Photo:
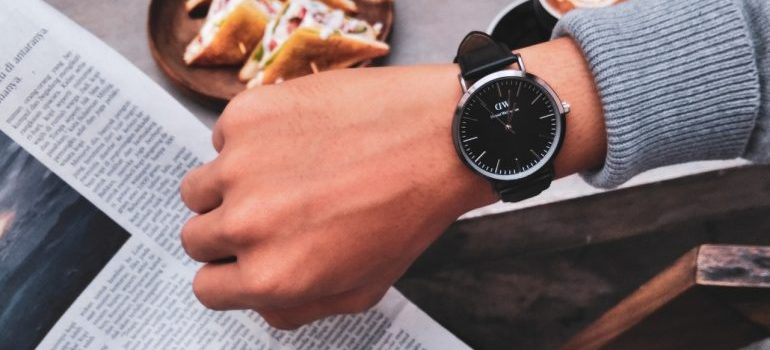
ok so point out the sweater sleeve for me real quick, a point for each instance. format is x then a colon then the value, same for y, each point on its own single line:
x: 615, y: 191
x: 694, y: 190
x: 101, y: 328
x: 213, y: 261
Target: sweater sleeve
x: 680, y: 81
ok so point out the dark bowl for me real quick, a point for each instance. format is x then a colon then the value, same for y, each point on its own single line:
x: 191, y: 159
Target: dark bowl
x: 518, y: 25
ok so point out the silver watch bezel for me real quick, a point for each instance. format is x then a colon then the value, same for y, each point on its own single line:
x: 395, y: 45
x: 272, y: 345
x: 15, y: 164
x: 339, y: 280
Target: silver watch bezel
x: 499, y: 75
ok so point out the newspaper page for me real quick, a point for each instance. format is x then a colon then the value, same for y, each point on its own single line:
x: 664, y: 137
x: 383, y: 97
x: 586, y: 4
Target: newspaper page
x: 91, y: 155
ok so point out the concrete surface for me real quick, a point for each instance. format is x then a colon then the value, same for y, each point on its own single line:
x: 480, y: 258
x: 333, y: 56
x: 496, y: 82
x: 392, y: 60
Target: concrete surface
x: 424, y: 33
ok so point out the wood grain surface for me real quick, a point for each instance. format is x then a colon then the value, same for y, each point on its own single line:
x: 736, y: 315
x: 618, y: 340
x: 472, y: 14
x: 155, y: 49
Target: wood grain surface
x: 534, y: 278
x: 713, y: 297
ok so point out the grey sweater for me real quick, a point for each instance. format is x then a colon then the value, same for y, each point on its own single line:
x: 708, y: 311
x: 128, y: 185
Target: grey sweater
x: 680, y: 81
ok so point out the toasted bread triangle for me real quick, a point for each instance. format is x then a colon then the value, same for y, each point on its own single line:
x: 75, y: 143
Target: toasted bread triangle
x: 238, y: 34
x: 306, y: 48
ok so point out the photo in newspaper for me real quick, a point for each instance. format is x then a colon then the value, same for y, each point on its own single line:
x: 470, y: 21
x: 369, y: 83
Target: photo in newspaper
x: 53, y: 242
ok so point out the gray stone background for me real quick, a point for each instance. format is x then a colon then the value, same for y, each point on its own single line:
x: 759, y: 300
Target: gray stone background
x: 425, y: 31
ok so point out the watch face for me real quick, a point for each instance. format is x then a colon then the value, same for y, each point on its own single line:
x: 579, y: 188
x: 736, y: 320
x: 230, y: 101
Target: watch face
x: 508, y: 127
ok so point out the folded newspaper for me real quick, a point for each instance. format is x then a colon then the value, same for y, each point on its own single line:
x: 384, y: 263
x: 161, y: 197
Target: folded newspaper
x: 91, y: 155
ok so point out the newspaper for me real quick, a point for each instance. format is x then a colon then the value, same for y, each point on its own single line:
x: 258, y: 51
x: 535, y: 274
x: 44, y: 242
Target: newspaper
x: 91, y: 155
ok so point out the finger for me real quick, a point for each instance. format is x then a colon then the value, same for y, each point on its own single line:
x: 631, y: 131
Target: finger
x: 351, y: 302
x: 218, y: 287
x: 203, y: 239
x: 200, y: 189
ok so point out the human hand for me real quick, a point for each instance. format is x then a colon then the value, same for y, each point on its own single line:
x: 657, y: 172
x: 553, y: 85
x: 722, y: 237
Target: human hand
x: 328, y: 187
x: 325, y: 190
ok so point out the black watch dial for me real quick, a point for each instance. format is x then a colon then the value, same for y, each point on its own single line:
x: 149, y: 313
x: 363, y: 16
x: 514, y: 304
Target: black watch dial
x: 507, y: 127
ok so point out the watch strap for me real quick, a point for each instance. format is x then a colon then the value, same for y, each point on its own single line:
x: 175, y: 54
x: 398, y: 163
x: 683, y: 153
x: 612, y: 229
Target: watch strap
x: 480, y: 55
x: 519, y: 190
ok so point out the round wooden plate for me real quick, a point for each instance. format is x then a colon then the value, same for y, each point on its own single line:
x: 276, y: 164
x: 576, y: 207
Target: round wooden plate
x: 170, y: 29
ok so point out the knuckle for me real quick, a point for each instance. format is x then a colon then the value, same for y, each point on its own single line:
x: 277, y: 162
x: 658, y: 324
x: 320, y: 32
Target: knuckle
x: 259, y: 224
x: 185, y: 188
x: 273, y: 288
x: 236, y: 227
x: 187, y: 242
x: 247, y: 221
x: 199, y: 290
x: 240, y: 101
x: 241, y: 108
x: 228, y: 169
x: 184, y: 236
x: 228, y: 120
x: 267, y: 287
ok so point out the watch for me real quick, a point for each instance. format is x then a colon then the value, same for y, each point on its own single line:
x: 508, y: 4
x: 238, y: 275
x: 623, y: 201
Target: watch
x: 509, y: 124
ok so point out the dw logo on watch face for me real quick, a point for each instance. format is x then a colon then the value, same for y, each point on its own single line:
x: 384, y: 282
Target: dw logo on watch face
x: 502, y: 105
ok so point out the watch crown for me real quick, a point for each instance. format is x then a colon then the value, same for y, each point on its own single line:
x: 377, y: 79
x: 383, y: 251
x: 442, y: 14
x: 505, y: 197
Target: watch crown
x: 566, y: 107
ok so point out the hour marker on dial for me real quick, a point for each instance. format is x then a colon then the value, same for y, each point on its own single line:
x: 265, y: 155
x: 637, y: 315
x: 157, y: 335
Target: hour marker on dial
x: 481, y: 155
x: 537, y: 98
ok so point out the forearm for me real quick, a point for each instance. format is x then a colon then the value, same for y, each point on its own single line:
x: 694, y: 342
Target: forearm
x: 561, y: 64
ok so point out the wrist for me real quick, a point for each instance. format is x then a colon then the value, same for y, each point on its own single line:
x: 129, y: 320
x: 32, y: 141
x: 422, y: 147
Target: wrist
x: 560, y: 63
x: 466, y: 190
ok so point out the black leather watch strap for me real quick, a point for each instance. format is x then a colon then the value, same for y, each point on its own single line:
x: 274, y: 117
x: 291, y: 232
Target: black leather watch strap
x: 519, y: 190
x: 479, y: 55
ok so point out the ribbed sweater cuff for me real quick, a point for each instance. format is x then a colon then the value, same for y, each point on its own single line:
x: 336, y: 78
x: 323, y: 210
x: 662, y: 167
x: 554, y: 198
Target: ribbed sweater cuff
x: 677, y: 80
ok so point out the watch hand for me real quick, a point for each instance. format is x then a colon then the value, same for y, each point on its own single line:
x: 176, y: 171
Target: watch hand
x: 492, y: 115
x: 511, y: 109
x: 487, y: 108
x: 507, y: 126
x: 498, y: 119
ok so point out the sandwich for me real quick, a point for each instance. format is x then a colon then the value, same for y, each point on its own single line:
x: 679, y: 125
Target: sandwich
x: 232, y: 29
x: 307, y: 36
x: 196, y: 8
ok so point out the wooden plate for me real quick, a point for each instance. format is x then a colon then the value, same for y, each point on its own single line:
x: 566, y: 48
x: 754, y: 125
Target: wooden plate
x: 170, y: 29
